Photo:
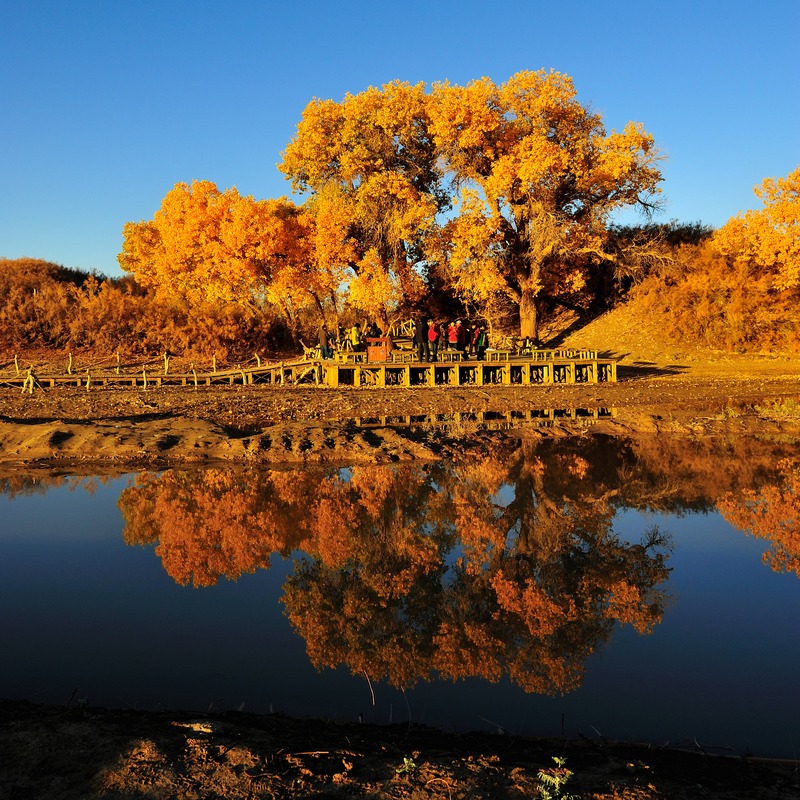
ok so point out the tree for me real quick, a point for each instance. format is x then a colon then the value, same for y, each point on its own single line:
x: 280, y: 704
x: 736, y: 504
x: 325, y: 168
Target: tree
x: 207, y: 245
x: 768, y: 241
x: 415, y: 572
x: 539, y: 177
x: 371, y: 168
x: 210, y: 523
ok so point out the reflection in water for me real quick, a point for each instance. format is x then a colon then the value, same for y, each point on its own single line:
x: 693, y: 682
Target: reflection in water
x: 497, y: 564
x: 17, y: 485
x: 218, y: 522
x: 488, y: 568
x: 488, y: 420
x: 772, y: 513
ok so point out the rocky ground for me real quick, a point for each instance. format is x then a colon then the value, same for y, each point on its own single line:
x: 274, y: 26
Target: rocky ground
x: 265, y: 424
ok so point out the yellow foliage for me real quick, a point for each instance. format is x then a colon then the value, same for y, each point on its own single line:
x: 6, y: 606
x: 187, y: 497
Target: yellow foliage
x: 211, y: 246
x: 543, y: 176
x: 373, y: 288
x: 370, y: 158
x: 768, y: 239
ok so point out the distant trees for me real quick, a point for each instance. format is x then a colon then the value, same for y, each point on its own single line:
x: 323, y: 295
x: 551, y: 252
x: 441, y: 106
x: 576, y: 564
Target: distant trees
x: 496, y: 196
x: 505, y: 191
x: 373, y: 171
x: 767, y: 242
x: 493, y: 191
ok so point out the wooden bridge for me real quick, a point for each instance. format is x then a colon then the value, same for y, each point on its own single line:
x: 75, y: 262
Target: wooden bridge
x: 399, y: 368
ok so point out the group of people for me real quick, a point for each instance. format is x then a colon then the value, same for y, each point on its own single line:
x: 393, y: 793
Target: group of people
x: 352, y: 338
x: 431, y: 337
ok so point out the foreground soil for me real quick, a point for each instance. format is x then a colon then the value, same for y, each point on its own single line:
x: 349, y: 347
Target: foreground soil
x: 58, y: 752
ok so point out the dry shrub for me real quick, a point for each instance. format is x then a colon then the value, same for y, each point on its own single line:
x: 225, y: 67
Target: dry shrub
x: 45, y: 305
x: 706, y: 298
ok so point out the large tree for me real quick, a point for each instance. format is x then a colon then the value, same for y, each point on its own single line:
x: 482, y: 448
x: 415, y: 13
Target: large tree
x: 370, y: 168
x: 208, y: 245
x: 539, y: 177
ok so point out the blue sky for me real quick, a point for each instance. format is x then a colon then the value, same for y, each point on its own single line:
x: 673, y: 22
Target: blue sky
x: 106, y: 105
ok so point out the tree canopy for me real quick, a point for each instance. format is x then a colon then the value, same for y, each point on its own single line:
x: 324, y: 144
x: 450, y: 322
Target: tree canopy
x: 538, y: 177
x: 531, y: 173
x: 498, y: 198
x: 371, y: 169
x: 207, y: 245
x: 768, y: 240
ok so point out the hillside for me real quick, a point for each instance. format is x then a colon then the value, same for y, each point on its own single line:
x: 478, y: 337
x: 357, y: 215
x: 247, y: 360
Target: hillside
x: 637, y: 339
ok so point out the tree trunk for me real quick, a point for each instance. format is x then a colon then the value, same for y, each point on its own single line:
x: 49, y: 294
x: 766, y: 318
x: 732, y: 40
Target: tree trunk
x: 528, y: 315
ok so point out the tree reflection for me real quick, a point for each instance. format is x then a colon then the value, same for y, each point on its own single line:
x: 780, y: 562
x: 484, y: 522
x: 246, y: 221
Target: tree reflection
x: 216, y: 522
x: 503, y: 565
x: 514, y: 574
x: 771, y: 513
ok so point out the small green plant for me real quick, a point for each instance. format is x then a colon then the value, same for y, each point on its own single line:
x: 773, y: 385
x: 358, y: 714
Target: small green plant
x: 408, y: 766
x: 553, y: 780
x: 785, y: 408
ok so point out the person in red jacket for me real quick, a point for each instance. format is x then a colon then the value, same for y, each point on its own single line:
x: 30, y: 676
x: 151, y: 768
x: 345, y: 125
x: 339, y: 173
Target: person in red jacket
x: 433, y: 339
x: 452, y: 335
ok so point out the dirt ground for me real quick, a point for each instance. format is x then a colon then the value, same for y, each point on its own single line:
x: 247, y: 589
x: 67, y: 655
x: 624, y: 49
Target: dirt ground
x: 69, y: 752
x: 60, y: 752
x: 128, y: 427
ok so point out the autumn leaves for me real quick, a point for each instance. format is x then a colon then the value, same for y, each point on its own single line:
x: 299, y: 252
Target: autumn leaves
x: 496, y: 193
x: 498, y: 197
x: 418, y: 570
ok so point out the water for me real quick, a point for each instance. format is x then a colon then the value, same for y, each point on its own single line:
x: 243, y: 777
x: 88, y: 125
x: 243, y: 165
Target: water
x: 519, y: 576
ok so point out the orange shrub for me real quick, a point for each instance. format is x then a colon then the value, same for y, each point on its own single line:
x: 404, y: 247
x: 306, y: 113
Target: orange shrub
x: 45, y: 305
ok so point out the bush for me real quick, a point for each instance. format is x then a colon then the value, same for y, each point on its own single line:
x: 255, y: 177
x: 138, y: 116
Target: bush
x: 705, y: 297
x: 45, y: 305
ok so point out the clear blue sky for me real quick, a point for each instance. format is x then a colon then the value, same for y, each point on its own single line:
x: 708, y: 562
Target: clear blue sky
x: 104, y: 106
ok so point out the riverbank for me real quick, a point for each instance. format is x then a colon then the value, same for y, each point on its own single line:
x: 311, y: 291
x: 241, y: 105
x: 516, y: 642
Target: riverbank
x: 68, y: 752
x: 129, y: 427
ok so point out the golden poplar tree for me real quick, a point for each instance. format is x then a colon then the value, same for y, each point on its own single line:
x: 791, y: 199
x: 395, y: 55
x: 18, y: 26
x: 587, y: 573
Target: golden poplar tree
x: 370, y: 167
x: 538, y: 176
x: 206, y: 245
x: 767, y: 241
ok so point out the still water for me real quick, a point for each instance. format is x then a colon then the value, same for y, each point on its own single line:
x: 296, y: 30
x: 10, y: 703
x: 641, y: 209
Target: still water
x: 640, y: 589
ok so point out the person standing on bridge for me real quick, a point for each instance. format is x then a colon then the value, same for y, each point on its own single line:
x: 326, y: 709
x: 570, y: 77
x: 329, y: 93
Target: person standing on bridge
x: 324, y: 341
x: 481, y: 342
x: 452, y: 335
x: 433, y: 339
x: 354, y: 337
x: 421, y: 339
